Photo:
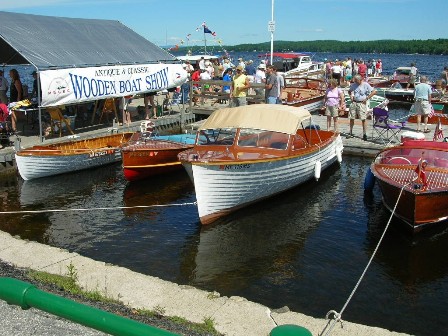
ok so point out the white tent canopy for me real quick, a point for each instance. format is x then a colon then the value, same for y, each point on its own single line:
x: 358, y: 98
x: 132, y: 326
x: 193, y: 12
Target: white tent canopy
x: 85, y: 59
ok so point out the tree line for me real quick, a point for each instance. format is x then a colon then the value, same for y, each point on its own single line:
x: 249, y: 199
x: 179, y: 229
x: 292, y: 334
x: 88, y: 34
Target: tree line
x: 430, y: 47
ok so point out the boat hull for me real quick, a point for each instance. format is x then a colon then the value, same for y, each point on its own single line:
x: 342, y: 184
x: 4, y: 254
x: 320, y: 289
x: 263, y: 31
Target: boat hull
x: 69, y: 156
x: 413, y: 178
x: 417, y: 209
x: 222, y: 188
x: 148, y: 156
x: 33, y: 167
x: 140, y: 164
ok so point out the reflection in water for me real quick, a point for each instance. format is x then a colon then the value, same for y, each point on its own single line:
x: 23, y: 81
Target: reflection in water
x: 259, y: 240
x: 304, y: 249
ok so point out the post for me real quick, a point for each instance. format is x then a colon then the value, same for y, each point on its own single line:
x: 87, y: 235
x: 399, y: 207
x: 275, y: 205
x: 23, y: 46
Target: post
x: 271, y: 28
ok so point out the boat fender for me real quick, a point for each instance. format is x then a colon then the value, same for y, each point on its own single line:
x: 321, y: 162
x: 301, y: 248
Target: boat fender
x: 317, y: 169
x: 339, y: 154
x: 369, y: 180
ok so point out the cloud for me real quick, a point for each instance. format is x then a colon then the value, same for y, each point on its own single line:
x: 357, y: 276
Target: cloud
x: 314, y: 30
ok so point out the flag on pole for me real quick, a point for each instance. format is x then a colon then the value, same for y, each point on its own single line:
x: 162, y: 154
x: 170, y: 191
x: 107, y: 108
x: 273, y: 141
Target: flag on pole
x: 438, y: 133
x: 208, y: 31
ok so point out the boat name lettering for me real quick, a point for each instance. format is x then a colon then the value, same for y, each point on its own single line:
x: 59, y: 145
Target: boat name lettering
x: 102, y: 153
x: 235, y: 167
x: 143, y: 153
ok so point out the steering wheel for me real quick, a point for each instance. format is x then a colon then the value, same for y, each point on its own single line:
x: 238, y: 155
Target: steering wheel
x: 399, y: 158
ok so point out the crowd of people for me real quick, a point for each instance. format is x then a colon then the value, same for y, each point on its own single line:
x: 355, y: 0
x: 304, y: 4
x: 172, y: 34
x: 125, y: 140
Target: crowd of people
x: 344, y: 70
x: 269, y: 84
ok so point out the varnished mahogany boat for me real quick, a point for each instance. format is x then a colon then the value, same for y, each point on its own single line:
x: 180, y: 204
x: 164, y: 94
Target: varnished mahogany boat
x: 249, y: 153
x: 147, y: 154
x: 420, y: 168
x: 69, y: 156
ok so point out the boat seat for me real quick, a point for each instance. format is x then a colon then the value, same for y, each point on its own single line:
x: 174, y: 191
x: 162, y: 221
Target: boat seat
x: 58, y: 121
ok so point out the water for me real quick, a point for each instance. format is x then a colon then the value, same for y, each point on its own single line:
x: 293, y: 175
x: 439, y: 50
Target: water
x: 304, y: 249
x: 429, y: 65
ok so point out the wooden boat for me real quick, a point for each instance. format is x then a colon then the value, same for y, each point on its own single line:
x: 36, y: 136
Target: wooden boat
x: 147, y: 154
x: 69, y: 156
x: 249, y: 153
x: 305, y: 92
x: 398, y: 95
x: 420, y: 168
x: 292, y: 64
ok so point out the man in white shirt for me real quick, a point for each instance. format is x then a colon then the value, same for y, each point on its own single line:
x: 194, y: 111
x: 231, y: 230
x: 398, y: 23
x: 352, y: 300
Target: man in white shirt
x: 260, y: 77
x: 3, y: 88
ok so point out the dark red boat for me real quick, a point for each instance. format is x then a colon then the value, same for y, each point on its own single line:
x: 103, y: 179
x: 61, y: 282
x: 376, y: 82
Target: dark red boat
x: 420, y: 168
x: 147, y: 155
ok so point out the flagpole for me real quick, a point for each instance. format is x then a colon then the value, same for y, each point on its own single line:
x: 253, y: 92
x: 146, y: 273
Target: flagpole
x: 272, y: 29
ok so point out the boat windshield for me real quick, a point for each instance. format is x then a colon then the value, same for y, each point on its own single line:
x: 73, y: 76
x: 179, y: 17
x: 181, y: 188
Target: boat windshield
x: 219, y: 136
x: 262, y: 139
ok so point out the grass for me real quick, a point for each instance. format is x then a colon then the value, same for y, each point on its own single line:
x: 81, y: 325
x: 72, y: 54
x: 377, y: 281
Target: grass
x: 69, y: 283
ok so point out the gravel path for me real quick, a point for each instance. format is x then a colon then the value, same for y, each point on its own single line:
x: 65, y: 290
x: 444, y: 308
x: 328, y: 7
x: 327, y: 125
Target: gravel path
x: 16, y: 321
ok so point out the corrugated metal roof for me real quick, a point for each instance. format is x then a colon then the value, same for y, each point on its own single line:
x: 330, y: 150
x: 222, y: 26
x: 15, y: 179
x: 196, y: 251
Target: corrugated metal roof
x: 57, y: 42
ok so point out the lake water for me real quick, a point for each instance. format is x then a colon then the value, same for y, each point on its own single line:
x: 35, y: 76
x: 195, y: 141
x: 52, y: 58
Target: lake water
x: 304, y: 249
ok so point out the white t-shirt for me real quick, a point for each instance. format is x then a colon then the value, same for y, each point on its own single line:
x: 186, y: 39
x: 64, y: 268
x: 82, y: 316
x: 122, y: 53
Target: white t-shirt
x: 260, y: 76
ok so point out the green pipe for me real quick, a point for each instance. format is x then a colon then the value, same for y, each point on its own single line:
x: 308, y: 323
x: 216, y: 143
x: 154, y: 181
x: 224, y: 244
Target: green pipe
x: 27, y: 295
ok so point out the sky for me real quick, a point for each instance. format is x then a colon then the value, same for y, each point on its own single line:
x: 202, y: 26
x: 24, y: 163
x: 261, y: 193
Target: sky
x: 168, y: 23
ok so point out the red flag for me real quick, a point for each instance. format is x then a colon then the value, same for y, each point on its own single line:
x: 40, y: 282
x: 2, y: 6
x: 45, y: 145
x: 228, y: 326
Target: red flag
x: 438, y: 133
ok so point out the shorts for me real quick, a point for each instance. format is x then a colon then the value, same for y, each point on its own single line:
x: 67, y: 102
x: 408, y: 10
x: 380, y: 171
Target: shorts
x: 422, y: 107
x: 239, y: 101
x: 357, y: 110
x: 332, y: 111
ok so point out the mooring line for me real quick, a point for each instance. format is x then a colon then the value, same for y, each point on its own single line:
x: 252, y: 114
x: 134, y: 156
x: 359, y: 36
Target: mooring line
x: 334, y: 316
x: 102, y: 208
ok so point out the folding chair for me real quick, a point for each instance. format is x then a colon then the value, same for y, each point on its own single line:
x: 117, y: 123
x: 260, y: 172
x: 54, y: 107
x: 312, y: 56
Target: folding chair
x: 386, y: 129
x: 108, y: 108
x: 57, y: 120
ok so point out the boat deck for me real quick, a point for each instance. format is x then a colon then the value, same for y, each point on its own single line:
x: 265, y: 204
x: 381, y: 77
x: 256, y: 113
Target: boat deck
x: 437, y: 178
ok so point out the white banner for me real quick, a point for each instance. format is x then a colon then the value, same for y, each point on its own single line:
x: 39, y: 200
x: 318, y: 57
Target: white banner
x: 68, y: 86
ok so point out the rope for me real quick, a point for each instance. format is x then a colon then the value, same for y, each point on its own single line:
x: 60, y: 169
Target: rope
x: 88, y: 209
x: 337, y: 317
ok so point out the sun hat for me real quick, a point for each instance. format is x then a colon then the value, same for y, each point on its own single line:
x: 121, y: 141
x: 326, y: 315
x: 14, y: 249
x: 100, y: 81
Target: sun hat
x: 262, y: 66
x: 239, y: 67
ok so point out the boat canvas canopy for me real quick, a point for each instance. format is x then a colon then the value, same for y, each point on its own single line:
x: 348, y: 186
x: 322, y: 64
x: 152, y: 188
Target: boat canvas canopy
x: 99, y: 58
x: 268, y: 117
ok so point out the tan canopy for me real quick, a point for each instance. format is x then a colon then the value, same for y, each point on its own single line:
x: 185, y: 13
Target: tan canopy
x: 269, y: 117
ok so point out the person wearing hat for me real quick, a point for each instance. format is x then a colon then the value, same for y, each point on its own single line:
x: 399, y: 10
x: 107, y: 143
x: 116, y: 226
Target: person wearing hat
x: 260, y: 78
x: 3, y: 89
x: 238, y: 91
x: 241, y: 63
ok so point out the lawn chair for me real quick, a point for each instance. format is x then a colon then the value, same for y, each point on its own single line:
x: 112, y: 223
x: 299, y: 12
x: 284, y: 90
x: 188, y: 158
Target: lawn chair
x: 109, y: 107
x: 58, y: 121
x: 386, y: 129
